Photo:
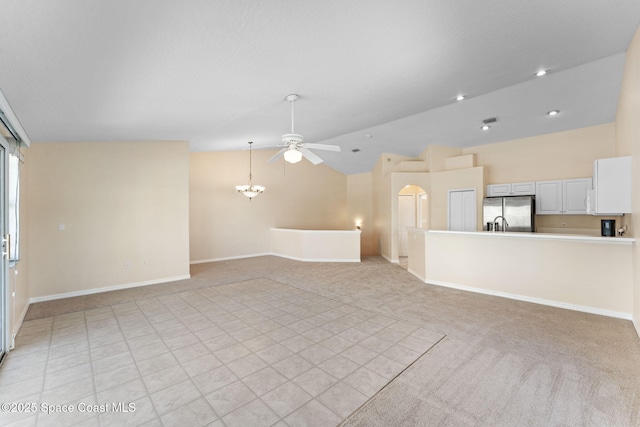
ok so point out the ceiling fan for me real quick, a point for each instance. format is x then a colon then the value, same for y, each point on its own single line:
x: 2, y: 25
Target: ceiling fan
x: 293, y: 146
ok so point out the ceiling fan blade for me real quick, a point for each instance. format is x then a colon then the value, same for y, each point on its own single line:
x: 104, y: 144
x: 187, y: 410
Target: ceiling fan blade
x: 323, y: 147
x: 277, y: 156
x: 310, y: 156
x: 266, y: 147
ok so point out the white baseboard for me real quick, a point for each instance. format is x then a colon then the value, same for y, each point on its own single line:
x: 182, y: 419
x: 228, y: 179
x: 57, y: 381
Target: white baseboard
x: 637, y: 326
x: 106, y: 289
x: 18, y: 325
x: 396, y: 261
x: 315, y: 259
x: 416, y: 274
x: 204, y: 261
x: 541, y: 301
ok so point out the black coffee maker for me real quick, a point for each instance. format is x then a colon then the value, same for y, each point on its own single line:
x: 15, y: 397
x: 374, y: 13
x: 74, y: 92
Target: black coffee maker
x: 608, y: 227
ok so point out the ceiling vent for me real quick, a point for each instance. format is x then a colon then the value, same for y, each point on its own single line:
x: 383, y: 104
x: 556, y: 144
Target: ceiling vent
x: 490, y: 120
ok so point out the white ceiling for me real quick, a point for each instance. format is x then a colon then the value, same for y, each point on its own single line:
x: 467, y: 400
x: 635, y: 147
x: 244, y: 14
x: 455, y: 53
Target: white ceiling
x: 216, y: 72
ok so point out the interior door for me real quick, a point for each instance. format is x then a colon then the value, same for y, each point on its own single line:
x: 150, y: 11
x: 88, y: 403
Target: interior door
x: 462, y: 210
x: 406, y: 218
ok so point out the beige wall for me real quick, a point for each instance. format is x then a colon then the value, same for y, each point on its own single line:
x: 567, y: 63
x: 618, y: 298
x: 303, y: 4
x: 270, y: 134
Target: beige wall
x: 225, y: 224
x: 559, y: 155
x: 119, y: 202
x: 628, y: 142
x: 360, y: 208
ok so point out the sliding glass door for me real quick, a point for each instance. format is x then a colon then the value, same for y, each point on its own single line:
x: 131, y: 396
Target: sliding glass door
x: 4, y: 260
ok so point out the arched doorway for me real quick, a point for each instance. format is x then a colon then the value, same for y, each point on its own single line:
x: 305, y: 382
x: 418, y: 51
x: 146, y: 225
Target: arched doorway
x: 413, y: 212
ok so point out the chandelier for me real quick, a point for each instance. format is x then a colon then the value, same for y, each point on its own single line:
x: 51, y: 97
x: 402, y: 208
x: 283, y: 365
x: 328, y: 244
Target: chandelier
x: 250, y: 190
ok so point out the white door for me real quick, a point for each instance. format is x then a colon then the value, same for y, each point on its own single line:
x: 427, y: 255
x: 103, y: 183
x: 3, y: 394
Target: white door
x: 462, y: 210
x: 406, y: 218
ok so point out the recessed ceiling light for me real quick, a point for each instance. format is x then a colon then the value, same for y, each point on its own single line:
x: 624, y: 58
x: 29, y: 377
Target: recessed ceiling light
x: 541, y: 73
x: 485, y: 127
x: 459, y: 97
x: 553, y: 112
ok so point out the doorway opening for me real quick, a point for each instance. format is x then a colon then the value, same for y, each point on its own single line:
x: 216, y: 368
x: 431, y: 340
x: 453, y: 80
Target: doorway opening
x: 413, y: 212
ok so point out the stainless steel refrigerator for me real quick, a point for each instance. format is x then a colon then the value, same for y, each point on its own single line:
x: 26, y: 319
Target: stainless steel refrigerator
x: 519, y: 212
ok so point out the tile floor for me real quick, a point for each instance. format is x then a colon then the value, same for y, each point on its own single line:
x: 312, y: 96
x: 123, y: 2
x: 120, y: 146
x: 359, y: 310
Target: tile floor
x: 254, y: 353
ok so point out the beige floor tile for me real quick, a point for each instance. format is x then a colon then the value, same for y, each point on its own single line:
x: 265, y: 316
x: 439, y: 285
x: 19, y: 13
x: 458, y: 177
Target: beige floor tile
x: 255, y: 413
x: 75, y: 359
x: 313, y: 414
x: 317, y: 334
x: 145, y: 340
x: 181, y: 341
x: 144, y: 413
x: 116, y: 377
x: 229, y: 398
x: 316, y: 354
x: 109, y: 350
x: 292, y: 366
x: 359, y: 354
x: 22, y: 373
x: 385, y: 367
x: 107, y: 341
x: 274, y: 354
x: 366, y: 381
x: 68, y: 418
x: 246, y: 365
x: 190, y: 352
x: 68, y: 375
x: 220, y: 342
x: 297, y: 343
x: 338, y: 366
x: 175, y: 396
x: 286, y: 398
x: 315, y: 381
x: 164, y: 379
x: 155, y: 364
x: 196, y: 413
x: 264, y: 380
x: 124, y: 393
x: 401, y: 355
x: 109, y: 363
x: 214, y: 379
x: 342, y: 399
x: 201, y: 364
x: 231, y: 353
x: 12, y: 392
x: 258, y: 343
x: 68, y: 392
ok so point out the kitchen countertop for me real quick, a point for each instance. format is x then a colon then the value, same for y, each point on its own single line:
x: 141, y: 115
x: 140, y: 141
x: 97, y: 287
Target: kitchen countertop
x: 540, y: 236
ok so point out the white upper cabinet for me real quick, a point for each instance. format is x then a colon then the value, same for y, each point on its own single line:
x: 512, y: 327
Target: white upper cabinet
x: 514, y: 189
x: 575, y: 196
x: 611, y: 186
x: 549, y: 197
x: 563, y: 197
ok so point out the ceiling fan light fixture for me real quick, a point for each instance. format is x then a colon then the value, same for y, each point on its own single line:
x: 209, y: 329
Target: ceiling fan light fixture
x: 292, y: 155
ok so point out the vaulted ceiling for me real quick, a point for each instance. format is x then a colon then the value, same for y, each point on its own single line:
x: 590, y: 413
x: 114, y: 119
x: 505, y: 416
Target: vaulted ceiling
x: 376, y: 75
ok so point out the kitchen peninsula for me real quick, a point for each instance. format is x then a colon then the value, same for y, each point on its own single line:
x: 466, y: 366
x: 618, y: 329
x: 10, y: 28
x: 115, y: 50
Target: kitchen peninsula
x: 584, y: 273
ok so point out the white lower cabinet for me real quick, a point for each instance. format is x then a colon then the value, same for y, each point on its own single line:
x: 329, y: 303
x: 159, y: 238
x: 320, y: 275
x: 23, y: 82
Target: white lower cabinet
x: 563, y: 197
